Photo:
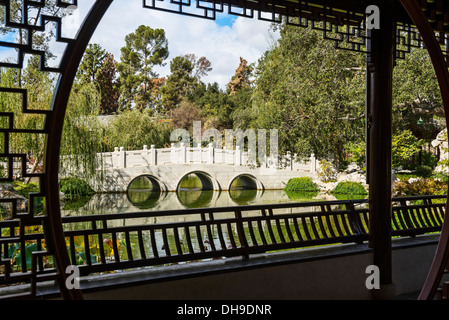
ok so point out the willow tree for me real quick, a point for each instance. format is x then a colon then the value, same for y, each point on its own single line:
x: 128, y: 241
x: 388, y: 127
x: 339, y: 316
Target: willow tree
x: 39, y: 87
x: 81, y: 142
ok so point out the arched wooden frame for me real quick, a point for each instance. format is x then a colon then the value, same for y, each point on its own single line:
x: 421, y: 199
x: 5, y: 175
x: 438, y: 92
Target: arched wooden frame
x: 442, y: 253
x: 55, y: 119
x: 70, y: 62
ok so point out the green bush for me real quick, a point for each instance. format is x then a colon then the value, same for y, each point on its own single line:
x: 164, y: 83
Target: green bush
x: 420, y: 186
x: 349, y: 187
x: 24, y: 189
x: 75, y: 187
x: 424, y: 171
x: 301, y: 184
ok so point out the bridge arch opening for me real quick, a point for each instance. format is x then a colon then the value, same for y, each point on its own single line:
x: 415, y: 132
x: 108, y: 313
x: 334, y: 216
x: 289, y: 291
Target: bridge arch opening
x: 245, y: 182
x: 244, y: 189
x: 144, y: 192
x: 197, y: 180
x: 196, y: 189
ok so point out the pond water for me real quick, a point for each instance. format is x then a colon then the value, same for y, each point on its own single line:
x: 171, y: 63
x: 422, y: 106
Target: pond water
x: 150, y: 200
x: 142, y: 197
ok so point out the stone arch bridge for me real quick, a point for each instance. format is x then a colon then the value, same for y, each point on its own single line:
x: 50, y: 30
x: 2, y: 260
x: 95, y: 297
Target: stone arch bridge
x: 216, y: 168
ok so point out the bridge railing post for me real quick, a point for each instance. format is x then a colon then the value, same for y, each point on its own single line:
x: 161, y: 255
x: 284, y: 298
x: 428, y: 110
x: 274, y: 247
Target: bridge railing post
x: 183, y: 150
x: 238, y: 156
x: 211, y: 151
x: 122, y: 158
x: 153, y: 155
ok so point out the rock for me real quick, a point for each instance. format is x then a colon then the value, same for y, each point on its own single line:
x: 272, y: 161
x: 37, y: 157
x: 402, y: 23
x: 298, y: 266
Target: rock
x: 21, y: 200
x: 6, y: 187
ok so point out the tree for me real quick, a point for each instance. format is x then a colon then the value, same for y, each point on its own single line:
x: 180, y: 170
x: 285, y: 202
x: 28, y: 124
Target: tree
x: 90, y: 65
x: 241, y: 78
x: 215, y: 104
x: 311, y: 93
x: 107, y: 84
x: 416, y: 95
x: 185, y: 114
x: 144, y: 49
x: 132, y: 129
x: 201, y: 66
x: 179, y: 83
x: 404, y: 145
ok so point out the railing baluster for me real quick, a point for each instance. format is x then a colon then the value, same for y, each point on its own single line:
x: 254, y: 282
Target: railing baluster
x: 177, y: 241
x: 87, y: 250
x: 289, y: 231
x: 252, y: 234
x: 305, y: 227
x: 166, y: 245
x: 221, y: 237
x: 298, y: 232
x: 141, y: 245
x: 188, y: 239
x: 200, y: 238
x: 209, y: 233
x: 240, y: 229
x: 72, y: 251
x: 335, y: 219
x: 231, y: 235
x: 322, y: 227
x: 115, y: 247
x: 313, y: 227
x: 270, y: 228
x: 261, y: 232
x: 128, y: 246
x: 153, y: 243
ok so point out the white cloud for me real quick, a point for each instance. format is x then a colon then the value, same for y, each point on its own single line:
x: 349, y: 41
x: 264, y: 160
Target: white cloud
x: 222, y: 45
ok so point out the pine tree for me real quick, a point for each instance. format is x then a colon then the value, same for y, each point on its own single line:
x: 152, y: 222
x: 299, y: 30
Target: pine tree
x: 144, y: 49
x: 179, y: 83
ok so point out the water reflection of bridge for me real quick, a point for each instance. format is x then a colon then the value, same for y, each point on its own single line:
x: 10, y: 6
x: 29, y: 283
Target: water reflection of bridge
x: 150, y: 201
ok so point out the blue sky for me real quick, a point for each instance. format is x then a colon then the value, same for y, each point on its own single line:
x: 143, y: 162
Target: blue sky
x: 222, y: 41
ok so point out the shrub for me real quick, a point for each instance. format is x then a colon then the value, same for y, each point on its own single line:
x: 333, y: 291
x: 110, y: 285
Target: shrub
x: 301, y: 184
x: 75, y: 187
x: 349, y: 187
x: 24, y: 189
x: 420, y: 186
x: 326, y: 171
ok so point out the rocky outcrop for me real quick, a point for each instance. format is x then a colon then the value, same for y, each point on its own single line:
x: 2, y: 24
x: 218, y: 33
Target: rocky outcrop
x: 7, y: 192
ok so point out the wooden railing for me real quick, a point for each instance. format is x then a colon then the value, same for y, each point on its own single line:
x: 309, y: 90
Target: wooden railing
x: 106, y: 242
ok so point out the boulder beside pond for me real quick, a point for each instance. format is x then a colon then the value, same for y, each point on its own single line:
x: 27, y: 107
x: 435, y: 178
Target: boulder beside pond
x: 7, y: 192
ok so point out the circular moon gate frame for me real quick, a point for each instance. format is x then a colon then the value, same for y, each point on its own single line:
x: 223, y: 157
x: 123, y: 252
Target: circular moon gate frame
x: 269, y: 10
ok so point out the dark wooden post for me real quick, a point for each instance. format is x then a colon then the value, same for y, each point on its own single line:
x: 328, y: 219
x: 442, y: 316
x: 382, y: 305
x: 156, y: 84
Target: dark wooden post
x: 379, y: 106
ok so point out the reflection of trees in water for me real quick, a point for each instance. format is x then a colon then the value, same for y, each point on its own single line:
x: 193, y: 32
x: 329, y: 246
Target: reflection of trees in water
x: 242, y: 196
x: 144, y: 198
x: 143, y: 193
x: 195, y: 198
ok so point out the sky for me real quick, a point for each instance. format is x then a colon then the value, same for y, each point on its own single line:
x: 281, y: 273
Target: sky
x: 222, y: 41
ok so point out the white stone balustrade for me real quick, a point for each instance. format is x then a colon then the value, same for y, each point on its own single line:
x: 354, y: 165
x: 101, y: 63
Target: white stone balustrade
x: 121, y: 158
